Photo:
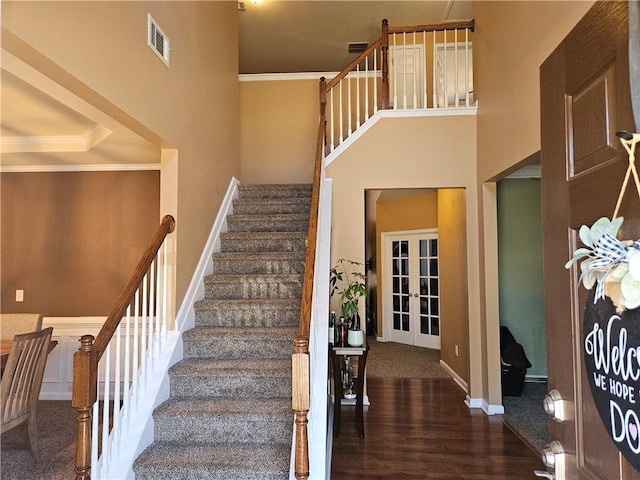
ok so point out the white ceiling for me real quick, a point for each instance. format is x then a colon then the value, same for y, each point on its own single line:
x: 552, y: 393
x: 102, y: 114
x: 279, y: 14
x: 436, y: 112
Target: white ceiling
x: 44, y: 127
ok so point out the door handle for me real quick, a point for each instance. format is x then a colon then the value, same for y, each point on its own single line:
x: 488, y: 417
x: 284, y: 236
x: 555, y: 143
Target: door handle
x: 543, y: 474
x: 553, y: 458
x: 556, y: 407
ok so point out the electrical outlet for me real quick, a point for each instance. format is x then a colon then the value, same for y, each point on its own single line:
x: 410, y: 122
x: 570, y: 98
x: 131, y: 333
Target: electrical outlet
x: 19, y: 295
x: 456, y: 350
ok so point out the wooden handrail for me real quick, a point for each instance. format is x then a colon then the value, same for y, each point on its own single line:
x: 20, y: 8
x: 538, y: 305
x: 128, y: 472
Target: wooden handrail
x: 438, y: 27
x: 85, y: 360
x: 334, y: 81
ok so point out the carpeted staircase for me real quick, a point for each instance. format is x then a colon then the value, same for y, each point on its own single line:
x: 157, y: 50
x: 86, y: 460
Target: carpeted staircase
x: 229, y: 413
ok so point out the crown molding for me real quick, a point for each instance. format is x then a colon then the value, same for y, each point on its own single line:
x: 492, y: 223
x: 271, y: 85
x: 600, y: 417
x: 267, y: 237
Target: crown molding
x: 55, y: 143
x: 78, y: 168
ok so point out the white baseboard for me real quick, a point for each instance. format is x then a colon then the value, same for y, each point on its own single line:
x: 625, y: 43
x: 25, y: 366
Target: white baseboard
x: 185, y: 318
x: 481, y: 403
x: 456, y: 378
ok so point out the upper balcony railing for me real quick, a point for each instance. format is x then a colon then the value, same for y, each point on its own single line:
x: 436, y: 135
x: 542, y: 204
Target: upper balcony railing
x: 407, y: 68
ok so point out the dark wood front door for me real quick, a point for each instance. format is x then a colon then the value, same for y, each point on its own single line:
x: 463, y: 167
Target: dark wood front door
x: 585, y: 100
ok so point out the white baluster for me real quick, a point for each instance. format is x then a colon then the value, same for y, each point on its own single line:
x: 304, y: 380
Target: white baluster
x: 366, y: 88
x: 95, y: 413
x: 415, y: 74
x: 424, y: 69
x: 358, y: 96
x: 135, y: 378
x: 126, y: 393
x: 152, y: 313
x: 395, y: 69
x: 158, y: 329
x: 115, y: 438
x: 165, y: 289
x: 455, y: 57
x: 332, y: 143
x: 143, y: 340
x: 375, y: 80
x: 466, y: 67
x: 341, y: 118
x: 349, y: 117
x: 435, y: 69
x: 105, y: 410
x: 404, y: 70
x: 444, y: 70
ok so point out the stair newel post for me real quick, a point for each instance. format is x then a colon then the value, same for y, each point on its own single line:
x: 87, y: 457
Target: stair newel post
x: 323, y: 107
x: 300, y: 404
x: 84, y: 395
x: 384, y: 49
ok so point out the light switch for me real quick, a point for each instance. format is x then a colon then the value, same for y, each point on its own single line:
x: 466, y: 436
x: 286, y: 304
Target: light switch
x: 19, y: 295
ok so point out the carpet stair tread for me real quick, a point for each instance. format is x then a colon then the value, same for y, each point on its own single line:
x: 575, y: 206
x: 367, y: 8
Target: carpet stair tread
x: 224, y: 420
x: 214, y: 462
x: 247, y: 286
x: 239, y: 343
x: 199, y: 367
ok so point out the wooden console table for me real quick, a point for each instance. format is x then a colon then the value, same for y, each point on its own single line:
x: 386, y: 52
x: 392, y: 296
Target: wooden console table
x: 337, y: 355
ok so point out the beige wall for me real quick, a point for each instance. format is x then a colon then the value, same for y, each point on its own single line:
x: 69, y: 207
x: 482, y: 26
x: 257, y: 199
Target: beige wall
x: 510, y: 42
x: 454, y: 307
x: 71, y: 240
x: 98, y: 50
x: 278, y: 129
x: 410, y: 153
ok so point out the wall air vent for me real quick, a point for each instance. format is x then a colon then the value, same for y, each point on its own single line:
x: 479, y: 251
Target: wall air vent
x: 357, y: 47
x: 158, y: 40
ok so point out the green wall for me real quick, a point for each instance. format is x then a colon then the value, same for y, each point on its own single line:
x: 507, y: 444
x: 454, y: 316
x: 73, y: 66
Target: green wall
x: 520, y: 267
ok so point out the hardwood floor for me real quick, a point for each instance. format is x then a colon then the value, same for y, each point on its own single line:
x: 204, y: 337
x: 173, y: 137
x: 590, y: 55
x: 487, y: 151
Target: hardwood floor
x: 421, y: 429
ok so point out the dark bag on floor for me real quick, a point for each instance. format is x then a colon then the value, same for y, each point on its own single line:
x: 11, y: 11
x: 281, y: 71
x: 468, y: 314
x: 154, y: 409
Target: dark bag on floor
x: 514, y: 364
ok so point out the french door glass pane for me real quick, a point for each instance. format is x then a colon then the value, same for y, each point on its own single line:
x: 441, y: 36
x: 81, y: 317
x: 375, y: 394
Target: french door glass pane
x: 405, y: 322
x: 433, y: 267
x: 429, y: 292
x: 424, y: 325
x: 433, y: 247
x: 435, y: 326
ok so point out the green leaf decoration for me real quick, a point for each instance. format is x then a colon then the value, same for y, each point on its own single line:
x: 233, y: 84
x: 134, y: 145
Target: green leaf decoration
x: 633, y: 257
x: 630, y: 291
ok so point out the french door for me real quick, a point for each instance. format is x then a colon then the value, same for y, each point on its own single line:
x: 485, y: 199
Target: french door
x: 412, y: 288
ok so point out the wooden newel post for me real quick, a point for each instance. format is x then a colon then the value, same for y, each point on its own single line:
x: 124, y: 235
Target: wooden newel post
x: 323, y: 99
x: 300, y: 404
x: 384, y: 49
x: 83, y: 397
x: 323, y: 108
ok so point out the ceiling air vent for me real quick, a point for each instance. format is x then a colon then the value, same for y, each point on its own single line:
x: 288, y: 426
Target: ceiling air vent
x: 357, y: 47
x: 158, y: 41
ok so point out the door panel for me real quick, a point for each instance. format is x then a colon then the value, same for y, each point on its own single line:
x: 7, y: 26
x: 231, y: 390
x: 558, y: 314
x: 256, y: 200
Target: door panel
x: 412, y: 301
x: 406, y: 76
x: 584, y: 101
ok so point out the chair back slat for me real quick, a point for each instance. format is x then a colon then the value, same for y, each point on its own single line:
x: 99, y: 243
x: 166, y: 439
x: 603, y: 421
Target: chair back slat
x: 22, y: 376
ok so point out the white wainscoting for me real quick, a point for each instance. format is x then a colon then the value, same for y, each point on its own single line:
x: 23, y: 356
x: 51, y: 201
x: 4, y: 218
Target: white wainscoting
x: 58, y: 374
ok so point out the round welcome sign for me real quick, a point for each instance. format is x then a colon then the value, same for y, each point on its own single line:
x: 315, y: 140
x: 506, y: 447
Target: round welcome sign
x: 611, y: 348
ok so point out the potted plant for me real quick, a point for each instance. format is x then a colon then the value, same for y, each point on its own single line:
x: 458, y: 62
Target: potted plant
x: 349, y: 282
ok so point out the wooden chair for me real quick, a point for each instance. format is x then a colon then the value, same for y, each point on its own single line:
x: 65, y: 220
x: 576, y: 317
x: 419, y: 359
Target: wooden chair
x: 12, y: 324
x: 21, y: 382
